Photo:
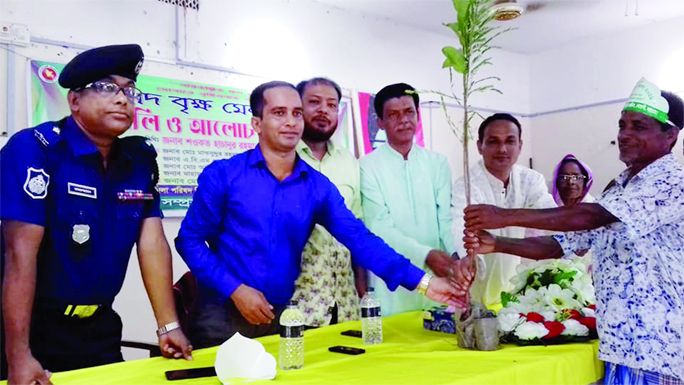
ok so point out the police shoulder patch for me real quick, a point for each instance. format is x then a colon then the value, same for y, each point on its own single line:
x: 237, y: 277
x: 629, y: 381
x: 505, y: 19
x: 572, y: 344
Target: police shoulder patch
x: 48, y: 133
x: 139, y: 144
x: 37, y: 182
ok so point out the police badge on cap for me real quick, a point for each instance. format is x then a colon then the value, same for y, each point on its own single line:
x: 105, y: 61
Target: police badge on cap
x: 97, y: 63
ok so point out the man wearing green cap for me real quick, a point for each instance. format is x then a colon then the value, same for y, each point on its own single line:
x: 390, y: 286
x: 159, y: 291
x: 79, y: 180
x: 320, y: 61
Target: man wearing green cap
x: 636, y: 232
x: 75, y: 198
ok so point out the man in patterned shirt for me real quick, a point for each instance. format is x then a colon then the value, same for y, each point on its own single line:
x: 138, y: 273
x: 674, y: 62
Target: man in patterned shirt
x: 636, y: 232
x: 325, y: 289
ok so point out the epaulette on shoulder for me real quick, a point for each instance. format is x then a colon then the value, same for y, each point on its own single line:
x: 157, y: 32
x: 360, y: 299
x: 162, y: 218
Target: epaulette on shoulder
x: 142, y: 148
x: 138, y: 144
x: 48, y: 133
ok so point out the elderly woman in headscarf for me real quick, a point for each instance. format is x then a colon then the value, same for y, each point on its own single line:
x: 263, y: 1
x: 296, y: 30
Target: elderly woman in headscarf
x: 571, y: 182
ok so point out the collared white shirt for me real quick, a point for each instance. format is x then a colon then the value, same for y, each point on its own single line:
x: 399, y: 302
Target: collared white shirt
x: 639, y: 269
x: 526, y: 190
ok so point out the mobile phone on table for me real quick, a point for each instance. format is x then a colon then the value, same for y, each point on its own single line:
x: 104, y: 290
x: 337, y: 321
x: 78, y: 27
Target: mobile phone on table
x: 346, y: 350
x: 183, y: 374
x: 352, y: 333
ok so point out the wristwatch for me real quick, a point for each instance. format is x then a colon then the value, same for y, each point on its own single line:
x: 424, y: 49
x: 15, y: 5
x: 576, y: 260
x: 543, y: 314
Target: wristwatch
x: 424, y: 283
x: 167, y: 328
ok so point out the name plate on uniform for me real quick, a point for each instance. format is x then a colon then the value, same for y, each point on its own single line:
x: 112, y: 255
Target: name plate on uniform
x: 82, y: 190
x: 134, y: 195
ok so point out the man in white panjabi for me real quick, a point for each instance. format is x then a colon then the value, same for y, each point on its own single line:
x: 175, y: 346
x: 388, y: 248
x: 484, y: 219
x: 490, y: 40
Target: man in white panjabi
x: 497, y: 180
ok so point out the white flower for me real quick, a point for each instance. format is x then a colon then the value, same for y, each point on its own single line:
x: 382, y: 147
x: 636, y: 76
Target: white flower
x: 516, y: 307
x: 508, y: 321
x: 549, y: 314
x: 542, y: 266
x: 569, y: 266
x: 523, y: 270
x: 509, y: 309
x: 534, y: 300
x: 526, y: 267
x: 518, y: 282
x: 588, y: 312
x: 530, y: 331
x: 561, y: 298
x: 584, y: 288
x: 566, y: 265
x: 574, y: 328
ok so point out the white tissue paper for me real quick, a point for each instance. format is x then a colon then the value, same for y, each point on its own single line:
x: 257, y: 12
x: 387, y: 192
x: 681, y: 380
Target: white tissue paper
x: 245, y: 359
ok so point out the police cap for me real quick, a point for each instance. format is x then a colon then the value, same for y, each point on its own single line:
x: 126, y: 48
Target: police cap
x: 97, y: 63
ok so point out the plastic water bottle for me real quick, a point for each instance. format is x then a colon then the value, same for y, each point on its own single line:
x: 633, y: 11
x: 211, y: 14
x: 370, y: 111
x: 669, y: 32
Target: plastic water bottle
x: 371, y: 320
x: 291, y: 338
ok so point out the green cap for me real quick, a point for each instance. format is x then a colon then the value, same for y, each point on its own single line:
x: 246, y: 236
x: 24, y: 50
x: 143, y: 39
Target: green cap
x: 646, y: 99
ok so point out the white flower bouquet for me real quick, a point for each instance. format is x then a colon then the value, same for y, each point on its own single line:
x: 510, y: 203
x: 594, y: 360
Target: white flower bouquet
x: 553, y: 302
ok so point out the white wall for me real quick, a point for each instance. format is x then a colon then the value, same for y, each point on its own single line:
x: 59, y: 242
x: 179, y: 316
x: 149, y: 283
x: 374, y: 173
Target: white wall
x: 607, y: 67
x: 592, y: 73
x: 289, y: 40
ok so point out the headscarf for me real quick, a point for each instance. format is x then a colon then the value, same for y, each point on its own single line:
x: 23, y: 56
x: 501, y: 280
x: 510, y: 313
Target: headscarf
x: 587, y: 186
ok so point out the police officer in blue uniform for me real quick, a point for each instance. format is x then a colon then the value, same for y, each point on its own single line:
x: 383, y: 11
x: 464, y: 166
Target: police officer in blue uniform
x: 75, y: 198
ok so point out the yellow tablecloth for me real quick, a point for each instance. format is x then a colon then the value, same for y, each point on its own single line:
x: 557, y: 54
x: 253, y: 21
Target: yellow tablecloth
x: 408, y: 355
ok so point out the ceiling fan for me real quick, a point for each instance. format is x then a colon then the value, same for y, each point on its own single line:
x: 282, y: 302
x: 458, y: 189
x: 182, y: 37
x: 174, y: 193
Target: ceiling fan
x: 511, y: 9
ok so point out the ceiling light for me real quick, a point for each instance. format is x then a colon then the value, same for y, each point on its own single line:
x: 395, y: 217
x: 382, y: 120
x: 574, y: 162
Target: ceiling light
x: 507, y: 10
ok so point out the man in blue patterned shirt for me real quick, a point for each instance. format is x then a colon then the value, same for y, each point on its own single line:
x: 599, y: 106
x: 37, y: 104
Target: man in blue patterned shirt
x: 636, y: 231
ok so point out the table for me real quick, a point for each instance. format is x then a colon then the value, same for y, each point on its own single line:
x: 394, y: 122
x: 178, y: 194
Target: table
x: 408, y: 355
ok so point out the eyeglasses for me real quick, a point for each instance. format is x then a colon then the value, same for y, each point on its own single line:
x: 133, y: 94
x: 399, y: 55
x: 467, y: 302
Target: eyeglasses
x: 572, y: 178
x: 110, y: 89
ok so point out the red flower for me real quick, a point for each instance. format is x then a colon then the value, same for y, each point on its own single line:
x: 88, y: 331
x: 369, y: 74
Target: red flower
x: 592, y: 306
x: 535, y: 317
x: 589, y: 322
x: 555, y: 328
x: 571, y: 314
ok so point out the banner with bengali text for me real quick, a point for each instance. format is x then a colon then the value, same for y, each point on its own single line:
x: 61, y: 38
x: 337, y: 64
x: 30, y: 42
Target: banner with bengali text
x: 190, y: 124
